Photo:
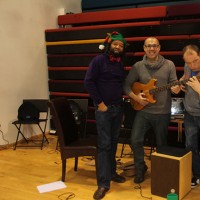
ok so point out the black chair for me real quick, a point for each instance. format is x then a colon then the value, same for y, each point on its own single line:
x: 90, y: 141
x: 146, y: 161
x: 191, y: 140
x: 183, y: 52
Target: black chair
x: 41, y: 106
x: 70, y: 143
x: 80, y: 110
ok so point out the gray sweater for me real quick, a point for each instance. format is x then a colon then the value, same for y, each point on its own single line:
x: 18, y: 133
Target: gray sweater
x: 192, y: 99
x: 164, y: 71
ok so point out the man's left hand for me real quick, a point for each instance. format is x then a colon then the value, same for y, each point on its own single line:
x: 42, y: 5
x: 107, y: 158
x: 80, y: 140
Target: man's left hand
x: 194, y: 84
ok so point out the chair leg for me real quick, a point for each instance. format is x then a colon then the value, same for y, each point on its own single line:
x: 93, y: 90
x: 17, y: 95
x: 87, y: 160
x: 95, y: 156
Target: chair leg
x: 151, y: 151
x: 43, y: 136
x: 76, y: 164
x: 16, y: 141
x: 63, y: 169
x: 57, y: 143
x: 19, y: 132
x: 122, y: 151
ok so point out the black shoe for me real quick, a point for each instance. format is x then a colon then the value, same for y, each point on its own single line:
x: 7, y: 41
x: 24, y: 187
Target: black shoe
x: 139, y: 177
x: 100, y: 193
x: 118, y: 179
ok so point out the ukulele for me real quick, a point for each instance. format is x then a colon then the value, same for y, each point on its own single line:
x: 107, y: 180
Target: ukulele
x: 150, y: 90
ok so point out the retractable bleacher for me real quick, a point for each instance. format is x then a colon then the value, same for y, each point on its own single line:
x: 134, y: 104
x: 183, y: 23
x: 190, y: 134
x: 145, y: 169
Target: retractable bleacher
x: 71, y: 47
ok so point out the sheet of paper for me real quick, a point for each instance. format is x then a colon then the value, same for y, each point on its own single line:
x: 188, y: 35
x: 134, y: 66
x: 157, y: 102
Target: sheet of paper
x: 51, y: 186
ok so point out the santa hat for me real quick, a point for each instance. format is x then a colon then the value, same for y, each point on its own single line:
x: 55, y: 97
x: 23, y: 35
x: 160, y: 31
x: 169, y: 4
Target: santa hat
x: 111, y: 37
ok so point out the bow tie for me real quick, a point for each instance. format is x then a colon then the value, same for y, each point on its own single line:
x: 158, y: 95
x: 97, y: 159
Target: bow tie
x: 114, y: 59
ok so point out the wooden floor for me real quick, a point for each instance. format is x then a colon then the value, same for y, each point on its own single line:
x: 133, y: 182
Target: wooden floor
x: 22, y: 170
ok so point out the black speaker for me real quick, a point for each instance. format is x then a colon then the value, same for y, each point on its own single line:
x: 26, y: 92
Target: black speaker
x: 28, y: 112
x: 129, y: 114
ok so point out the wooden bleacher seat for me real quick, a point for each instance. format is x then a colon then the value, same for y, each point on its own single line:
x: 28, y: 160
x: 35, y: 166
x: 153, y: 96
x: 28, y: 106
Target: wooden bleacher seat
x: 67, y: 86
x: 189, y: 9
x: 112, y: 16
x: 90, y: 5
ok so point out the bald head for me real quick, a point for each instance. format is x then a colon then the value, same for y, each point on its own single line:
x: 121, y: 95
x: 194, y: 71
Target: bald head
x: 191, y: 56
x: 190, y: 50
x: 151, y: 40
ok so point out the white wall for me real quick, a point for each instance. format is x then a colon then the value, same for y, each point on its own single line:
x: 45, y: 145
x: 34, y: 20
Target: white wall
x: 23, y: 60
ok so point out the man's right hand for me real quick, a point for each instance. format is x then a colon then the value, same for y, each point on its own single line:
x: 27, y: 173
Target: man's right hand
x: 141, y: 99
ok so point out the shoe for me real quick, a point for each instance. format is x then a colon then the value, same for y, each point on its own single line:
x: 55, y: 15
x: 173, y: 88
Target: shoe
x: 139, y: 177
x: 100, y: 193
x: 118, y: 179
x: 195, y: 182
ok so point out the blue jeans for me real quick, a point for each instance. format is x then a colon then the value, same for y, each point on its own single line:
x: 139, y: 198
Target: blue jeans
x: 108, y: 129
x: 192, y: 134
x: 142, y: 123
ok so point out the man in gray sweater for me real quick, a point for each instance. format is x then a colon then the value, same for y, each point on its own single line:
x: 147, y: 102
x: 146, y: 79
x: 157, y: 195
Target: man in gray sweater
x: 191, y: 56
x: 153, y: 111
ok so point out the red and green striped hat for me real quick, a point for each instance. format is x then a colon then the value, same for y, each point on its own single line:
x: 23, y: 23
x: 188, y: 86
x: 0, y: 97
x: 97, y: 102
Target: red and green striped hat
x: 111, y: 37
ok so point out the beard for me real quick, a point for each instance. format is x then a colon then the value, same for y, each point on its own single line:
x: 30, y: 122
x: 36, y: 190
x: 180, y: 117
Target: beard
x: 115, y: 53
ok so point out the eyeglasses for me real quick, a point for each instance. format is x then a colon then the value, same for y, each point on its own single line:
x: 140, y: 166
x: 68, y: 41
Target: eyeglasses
x: 154, y: 46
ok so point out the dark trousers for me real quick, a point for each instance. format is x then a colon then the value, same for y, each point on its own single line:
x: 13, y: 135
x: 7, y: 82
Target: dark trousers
x: 192, y: 134
x: 142, y: 123
x: 108, y: 128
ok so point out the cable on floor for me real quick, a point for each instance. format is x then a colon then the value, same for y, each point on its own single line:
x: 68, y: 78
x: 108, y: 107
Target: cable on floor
x: 140, y: 188
x: 69, y: 195
x: 87, y: 159
x: 2, y: 136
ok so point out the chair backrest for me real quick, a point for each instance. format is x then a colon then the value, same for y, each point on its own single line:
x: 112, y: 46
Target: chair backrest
x: 65, y: 124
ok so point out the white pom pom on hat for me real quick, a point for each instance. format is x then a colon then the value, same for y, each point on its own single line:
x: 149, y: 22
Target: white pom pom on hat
x: 101, y: 46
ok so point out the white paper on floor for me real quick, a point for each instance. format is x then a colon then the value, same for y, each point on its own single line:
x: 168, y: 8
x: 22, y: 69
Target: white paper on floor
x: 51, y: 186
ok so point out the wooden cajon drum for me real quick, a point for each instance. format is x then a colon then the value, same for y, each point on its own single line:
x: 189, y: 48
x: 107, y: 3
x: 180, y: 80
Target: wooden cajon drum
x: 170, y: 172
